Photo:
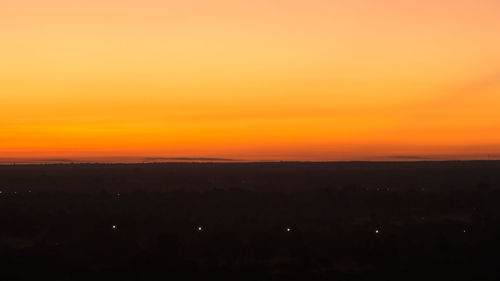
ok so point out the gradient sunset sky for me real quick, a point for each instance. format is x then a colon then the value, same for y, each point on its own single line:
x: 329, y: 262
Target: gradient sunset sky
x: 250, y: 80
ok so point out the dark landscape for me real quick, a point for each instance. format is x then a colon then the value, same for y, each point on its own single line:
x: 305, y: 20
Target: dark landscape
x: 251, y: 221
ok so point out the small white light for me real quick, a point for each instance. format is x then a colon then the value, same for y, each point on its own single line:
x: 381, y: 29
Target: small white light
x: 114, y: 226
x: 200, y: 228
x: 377, y: 231
x: 465, y: 231
x: 288, y: 229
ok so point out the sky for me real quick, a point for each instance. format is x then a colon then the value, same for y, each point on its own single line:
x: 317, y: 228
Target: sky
x: 311, y: 80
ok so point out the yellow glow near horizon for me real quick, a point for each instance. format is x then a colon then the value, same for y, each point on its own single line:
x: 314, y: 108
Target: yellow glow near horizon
x: 253, y: 80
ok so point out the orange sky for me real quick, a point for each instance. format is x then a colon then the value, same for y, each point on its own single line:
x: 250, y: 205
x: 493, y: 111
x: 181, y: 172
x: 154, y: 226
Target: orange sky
x: 253, y: 80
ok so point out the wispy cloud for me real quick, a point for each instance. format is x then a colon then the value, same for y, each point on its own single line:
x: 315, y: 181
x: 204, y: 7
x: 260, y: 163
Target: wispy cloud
x: 404, y: 157
x: 189, y: 159
x: 465, y: 92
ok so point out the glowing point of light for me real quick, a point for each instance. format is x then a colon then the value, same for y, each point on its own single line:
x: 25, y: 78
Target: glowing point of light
x: 200, y: 228
x: 377, y: 231
x: 288, y: 229
x: 114, y: 226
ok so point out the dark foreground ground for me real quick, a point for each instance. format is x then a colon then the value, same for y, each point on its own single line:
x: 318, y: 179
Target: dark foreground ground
x: 251, y: 221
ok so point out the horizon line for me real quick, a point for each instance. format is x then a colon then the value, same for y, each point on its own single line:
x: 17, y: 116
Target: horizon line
x: 39, y: 163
